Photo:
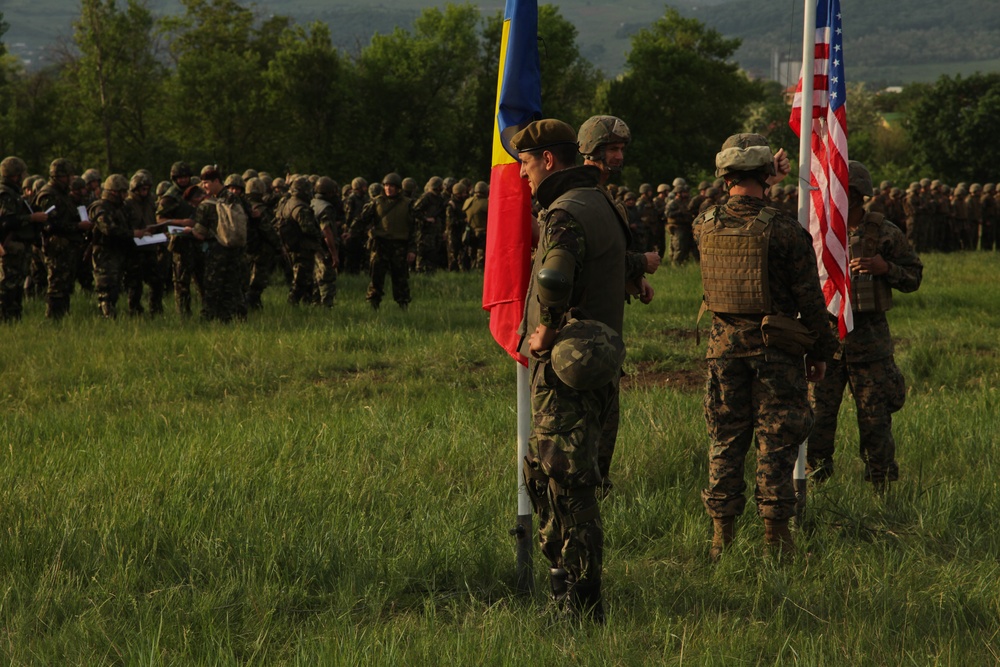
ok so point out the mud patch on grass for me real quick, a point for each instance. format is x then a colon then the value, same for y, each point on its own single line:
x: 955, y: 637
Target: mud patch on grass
x: 647, y: 374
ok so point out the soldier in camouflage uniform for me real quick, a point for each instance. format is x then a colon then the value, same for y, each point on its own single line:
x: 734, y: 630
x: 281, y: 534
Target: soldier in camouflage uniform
x: 80, y: 196
x: 881, y: 260
x: 187, y: 259
x: 392, y: 239
x: 761, y: 283
x: 263, y: 244
x: 475, y: 209
x: 144, y: 265
x: 974, y: 206
x: 456, y: 226
x: 679, y: 221
x: 114, y: 244
x: 637, y: 226
x: 62, y: 238
x: 354, y: 238
x: 329, y: 213
x: 430, y: 212
x: 990, y: 213
x: 579, y: 264
x: 302, y: 241
x: 18, y: 229
x: 92, y: 178
x: 225, y: 265
x: 918, y: 218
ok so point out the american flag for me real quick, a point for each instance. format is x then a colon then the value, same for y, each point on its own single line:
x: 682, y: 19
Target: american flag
x: 828, y: 181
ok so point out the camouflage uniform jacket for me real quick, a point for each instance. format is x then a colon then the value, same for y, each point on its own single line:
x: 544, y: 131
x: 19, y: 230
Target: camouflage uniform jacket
x: 206, y: 217
x: 593, y: 266
x: 793, y: 280
x: 65, y: 219
x: 112, y: 224
x: 870, y: 340
x: 15, y: 216
x: 173, y: 206
x: 143, y: 211
x: 678, y: 214
x: 430, y: 208
x: 391, y: 219
x: 354, y: 205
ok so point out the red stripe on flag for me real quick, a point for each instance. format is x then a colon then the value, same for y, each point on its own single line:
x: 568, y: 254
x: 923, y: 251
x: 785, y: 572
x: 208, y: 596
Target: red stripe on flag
x: 508, y: 255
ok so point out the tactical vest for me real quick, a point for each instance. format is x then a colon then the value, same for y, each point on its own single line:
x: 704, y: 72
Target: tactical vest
x: 394, y: 218
x: 734, y: 264
x: 600, y: 291
x: 869, y: 294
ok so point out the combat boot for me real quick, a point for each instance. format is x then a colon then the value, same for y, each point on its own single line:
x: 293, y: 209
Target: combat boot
x: 724, y: 530
x: 778, y: 538
x: 559, y: 583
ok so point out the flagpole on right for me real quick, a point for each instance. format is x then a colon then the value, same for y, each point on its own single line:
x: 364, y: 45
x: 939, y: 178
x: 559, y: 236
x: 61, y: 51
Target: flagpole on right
x: 805, y: 197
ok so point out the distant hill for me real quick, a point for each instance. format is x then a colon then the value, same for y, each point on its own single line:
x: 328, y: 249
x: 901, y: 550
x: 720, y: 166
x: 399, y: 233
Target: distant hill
x: 886, y: 41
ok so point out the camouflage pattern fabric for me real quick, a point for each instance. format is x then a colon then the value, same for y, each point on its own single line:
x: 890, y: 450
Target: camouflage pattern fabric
x: 109, y: 268
x: 263, y: 250
x: 456, y: 226
x: 225, y: 267
x: 13, y: 270
x: 188, y: 261
x: 430, y: 212
x: 389, y: 256
x: 354, y: 244
x: 61, y: 243
x: 679, y: 220
x: 879, y: 390
x: 754, y: 396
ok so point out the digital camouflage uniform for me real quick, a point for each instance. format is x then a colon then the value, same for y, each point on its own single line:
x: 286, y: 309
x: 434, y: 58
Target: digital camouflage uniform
x: 392, y: 237
x: 456, y: 226
x: 562, y: 468
x: 225, y: 267
x: 301, y: 239
x: 758, y: 393
x: 918, y: 219
x: 16, y: 235
x: 864, y: 362
x: 62, y: 243
x: 679, y: 221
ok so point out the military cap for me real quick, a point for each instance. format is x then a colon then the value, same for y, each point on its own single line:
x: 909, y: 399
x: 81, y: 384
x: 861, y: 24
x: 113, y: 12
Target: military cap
x: 859, y: 178
x: 542, y: 134
x: 91, y: 175
x: 12, y: 166
x: 587, y: 354
x: 598, y: 131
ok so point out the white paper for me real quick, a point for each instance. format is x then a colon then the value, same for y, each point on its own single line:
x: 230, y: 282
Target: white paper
x: 152, y: 239
x: 83, y: 213
x: 175, y: 229
x: 50, y: 209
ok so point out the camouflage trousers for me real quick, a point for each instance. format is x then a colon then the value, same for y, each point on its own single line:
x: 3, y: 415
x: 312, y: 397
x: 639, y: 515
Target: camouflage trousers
x: 188, y: 266
x: 476, y: 250
x: 389, y: 257
x: 562, y: 472
x: 682, y: 245
x: 144, y: 267
x: 751, y: 394
x: 457, y: 259
x: 109, y: 269
x: 879, y: 390
x: 225, y: 271
x: 429, y: 247
x: 353, y: 254
x: 13, y: 270
x: 325, y: 277
x: 262, y: 262
x: 609, y: 437
x: 61, y: 258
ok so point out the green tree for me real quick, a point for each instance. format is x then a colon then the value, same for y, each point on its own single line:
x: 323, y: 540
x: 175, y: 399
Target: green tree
x: 112, y: 86
x: 953, y: 128
x: 680, y: 95
x: 219, y: 104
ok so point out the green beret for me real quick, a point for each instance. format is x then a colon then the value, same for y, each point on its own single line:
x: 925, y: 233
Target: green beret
x: 541, y: 134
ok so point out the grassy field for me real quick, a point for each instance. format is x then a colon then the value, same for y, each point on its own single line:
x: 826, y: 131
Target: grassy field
x: 336, y: 487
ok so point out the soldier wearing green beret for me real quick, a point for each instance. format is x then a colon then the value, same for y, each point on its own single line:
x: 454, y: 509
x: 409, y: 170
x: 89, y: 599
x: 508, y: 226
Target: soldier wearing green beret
x: 578, y: 274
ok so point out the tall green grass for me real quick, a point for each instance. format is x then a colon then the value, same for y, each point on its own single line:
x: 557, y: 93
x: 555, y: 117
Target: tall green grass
x: 336, y: 487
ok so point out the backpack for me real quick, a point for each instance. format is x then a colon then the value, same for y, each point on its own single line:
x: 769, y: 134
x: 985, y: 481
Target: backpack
x: 232, y: 228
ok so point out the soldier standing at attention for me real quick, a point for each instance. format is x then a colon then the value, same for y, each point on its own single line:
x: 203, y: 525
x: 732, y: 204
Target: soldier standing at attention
x: 578, y: 271
x: 679, y: 221
x: 17, y: 233
x: 881, y: 260
x: 392, y: 235
x: 62, y: 238
x: 761, y: 283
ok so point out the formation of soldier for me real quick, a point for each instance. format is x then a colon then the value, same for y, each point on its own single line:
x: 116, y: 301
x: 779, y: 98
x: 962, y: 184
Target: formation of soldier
x: 224, y: 236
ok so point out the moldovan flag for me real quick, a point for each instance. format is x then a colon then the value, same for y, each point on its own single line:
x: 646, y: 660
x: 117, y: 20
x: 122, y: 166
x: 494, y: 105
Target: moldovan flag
x: 828, y: 167
x: 508, y: 229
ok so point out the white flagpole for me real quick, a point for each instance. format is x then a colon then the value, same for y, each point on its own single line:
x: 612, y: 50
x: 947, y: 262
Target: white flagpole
x: 523, y: 531
x: 805, y: 194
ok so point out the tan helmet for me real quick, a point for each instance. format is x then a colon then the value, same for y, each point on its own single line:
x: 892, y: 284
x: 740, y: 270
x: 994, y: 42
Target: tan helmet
x: 409, y: 184
x: 434, y: 184
x: 598, y: 131
x: 139, y: 180
x: 235, y: 181
x: 392, y: 178
x: 300, y: 187
x: 60, y: 167
x: 249, y: 173
x: 481, y: 188
x: 12, y: 167
x: 115, y: 183
x: 459, y: 189
x: 256, y: 187
x: 358, y: 183
x: 327, y: 187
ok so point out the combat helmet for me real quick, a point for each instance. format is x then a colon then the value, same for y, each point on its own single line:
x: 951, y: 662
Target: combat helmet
x: 235, y: 181
x: 482, y: 188
x: 375, y: 190
x: 180, y: 170
x: 327, y: 187
x: 459, y: 189
x: 644, y: 188
x: 745, y: 153
x: 680, y: 183
x: 250, y: 173
x: 434, y: 184
x: 393, y: 178
x: 60, y: 167
x: 975, y: 189
x: 989, y: 188
x: 300, y: 187
x: 162, y: 187
x: 115, y: 183
x: 91, y: 176
x: 256, y: 187
x: 859, y: 178
x: 409, y: 184
x: 139, y: 180
x: 662, y: 187
x: 12, y: 166
x: 587, y: 354
x: 358, y: 183
x: 598, y: 131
